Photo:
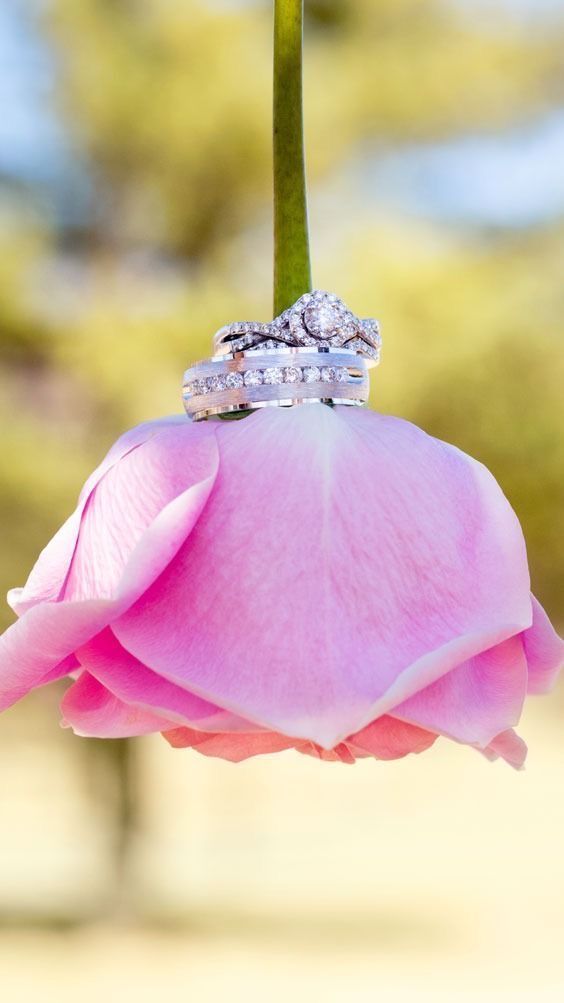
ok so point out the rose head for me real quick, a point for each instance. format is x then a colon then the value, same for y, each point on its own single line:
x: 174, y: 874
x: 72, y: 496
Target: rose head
x: 325, y: 579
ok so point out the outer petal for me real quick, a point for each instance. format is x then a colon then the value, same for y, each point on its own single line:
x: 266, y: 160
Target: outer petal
x: 389, y: 738
x: 340, y: 754
x: 544, y: 650
x: 507, y: 746
x: 345, y: 560
x: 234, y: 748
x: 135, y: 520
x: 93, y: 712
x: 476, y: 700
x: 133, y: 683
x: 48, y: 576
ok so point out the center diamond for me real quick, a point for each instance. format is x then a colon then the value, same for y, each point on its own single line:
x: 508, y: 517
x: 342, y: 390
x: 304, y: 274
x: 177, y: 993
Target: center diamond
x: 321, y: 319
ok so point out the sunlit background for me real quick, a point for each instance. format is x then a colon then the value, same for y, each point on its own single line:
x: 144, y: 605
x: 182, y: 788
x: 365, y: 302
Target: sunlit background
x: 135, y: 219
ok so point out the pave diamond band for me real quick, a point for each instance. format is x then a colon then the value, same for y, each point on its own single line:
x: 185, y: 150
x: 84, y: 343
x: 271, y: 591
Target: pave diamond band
x: 316, y: 319
x: 247, y: 380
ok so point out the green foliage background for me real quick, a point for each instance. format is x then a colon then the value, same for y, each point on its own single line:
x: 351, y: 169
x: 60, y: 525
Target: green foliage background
x: 168, y: 108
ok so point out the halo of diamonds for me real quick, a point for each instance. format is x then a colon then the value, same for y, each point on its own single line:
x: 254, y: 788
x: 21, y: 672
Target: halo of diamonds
x: 318, y: 319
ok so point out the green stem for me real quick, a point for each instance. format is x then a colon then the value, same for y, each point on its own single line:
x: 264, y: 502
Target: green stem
x: 292, y: 270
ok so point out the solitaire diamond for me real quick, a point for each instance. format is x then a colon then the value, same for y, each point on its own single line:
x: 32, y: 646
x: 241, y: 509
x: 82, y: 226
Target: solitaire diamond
x: 321, y: 320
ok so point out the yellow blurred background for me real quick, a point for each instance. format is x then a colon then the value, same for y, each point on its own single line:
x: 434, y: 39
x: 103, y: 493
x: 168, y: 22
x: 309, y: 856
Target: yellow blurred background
x: 135, y: 220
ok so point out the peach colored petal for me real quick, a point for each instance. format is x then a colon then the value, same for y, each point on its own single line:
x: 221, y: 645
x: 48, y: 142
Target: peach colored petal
x: 233, y: 747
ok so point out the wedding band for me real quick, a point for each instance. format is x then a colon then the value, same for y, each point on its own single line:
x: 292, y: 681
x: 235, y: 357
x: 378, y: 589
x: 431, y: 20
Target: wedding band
x: 248, y: 380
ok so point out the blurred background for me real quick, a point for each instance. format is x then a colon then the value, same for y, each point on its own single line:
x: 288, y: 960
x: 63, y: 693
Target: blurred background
x: 135, y: 219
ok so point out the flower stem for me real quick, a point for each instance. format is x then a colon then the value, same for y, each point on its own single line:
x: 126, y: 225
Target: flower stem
x: 292, y: 270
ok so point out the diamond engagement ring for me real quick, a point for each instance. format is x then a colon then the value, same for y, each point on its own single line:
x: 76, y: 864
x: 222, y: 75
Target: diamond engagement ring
x: 317, y: 319
x: 315, y: 352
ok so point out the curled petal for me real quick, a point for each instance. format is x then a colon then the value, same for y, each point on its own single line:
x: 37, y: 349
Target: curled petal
x: 345, y: 560
x: 507, y: 746
x: 475, y: 701
x: 133, y: 683
x: 124, y: 544
x: 93, y: 712
x: 48, y: 575
x: 544, y: 650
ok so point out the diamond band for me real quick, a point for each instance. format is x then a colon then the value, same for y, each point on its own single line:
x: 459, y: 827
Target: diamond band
x: 248, y: 380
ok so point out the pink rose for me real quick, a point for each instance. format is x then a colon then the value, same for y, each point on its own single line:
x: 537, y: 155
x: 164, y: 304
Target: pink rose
x: 330, y: 580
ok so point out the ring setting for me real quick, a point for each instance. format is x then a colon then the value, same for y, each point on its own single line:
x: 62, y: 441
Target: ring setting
x: 316, y: 351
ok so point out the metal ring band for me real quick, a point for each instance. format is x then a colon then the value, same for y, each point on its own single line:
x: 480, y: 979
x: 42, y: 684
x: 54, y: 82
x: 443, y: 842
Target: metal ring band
x: 275, y: 377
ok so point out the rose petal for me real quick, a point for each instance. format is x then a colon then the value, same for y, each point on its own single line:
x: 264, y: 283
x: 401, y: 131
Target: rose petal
x: 49, y: 573
x: 129, y: 498
x: 340, y: 754
x: 344, y: 561
x: 476, y: 700
x: 507, y: 746
x: 133, y: 683
x: 389, y: 738
x: 93, y: 712
x: 544, y: 650
x: 233, y: 747
x: 185, y: 458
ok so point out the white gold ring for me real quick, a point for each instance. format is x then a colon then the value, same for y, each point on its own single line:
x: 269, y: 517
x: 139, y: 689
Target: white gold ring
x: 317, y: 351
x: 317, y: 319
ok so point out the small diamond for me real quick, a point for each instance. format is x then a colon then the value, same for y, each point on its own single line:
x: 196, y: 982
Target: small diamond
x: 215, y: 383
x: 273, y: 375
x: 329, y: 374
x: 342, y: 375
x: 292, y: 374
x: 233, y: 381
x: 311, y: 374
x: 253, y: 378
